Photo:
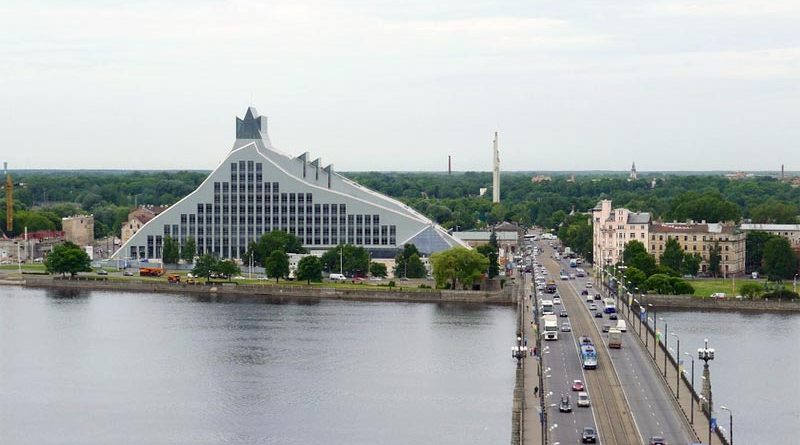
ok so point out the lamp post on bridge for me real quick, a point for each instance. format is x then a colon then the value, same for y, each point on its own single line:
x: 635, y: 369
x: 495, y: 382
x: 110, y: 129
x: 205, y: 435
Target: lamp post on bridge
x: 677, y: 368
x: 730, y: 414
x: 706, y: 354
x: 665, y: 337
x: 692, y: 394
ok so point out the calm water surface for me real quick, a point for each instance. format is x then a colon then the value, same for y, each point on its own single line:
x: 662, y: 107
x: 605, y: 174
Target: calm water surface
x: 101, y: 368
x: 755, y: 373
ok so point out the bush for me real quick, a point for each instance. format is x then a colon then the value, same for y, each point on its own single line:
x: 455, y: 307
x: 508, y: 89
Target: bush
x: 751, y: 290
x: 424, y: 286
x: 782, y: 294
x: 392, y: 283
x: 681, y: 287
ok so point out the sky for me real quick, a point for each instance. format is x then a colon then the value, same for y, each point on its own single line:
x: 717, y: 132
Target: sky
x: 400, y: 85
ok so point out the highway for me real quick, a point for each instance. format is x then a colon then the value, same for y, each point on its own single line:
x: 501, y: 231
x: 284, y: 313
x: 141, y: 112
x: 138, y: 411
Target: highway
x: 643, y: 389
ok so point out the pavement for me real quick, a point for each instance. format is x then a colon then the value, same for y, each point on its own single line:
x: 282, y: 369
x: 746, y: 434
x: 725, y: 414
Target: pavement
x: 532, y: 425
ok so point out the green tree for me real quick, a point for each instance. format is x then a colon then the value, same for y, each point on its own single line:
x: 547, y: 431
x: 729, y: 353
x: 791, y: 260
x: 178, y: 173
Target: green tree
x: 754, y: 250
x: 493, y: 241
x: 352, y: 260
x: 673, y: 255
x: 634, y: 277
x: 205, y: 266
x: 170, y: 252
x: 310, y: 269
x: 635, y: 255
x: 68, y: 258
x: 408, y: 263
x: 491, y: 254
x: 632, y: 250
x: 751, y: 290
x: 775, y: 212
x: 681, y: 287
x: 227, y: 269
x: 458, y: 265
x: 691, y: 264
x: 378, y: 270
x: 260, y: 250
x: 715, y: 259
x: 659, y: 283
x: 189, y: 249
x: 277, y: 264
x: 780, y: 261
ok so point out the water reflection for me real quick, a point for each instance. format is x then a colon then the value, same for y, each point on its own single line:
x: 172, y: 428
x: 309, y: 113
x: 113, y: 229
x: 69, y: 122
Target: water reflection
x: 67, y: 294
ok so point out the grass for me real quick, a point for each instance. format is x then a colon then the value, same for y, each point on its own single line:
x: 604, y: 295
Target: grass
x: 704, y: 287
x: 30, y: 267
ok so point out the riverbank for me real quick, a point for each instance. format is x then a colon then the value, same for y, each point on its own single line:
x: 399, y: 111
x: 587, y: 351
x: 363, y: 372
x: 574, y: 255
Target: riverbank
x: 693, y: 302
x: 255, y: 292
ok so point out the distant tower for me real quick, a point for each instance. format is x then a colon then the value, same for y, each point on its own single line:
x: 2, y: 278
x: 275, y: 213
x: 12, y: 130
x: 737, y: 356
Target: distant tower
x: 782, y: 173
x: 496, y: 171
x: 449, y: 165
x: 633, y: 176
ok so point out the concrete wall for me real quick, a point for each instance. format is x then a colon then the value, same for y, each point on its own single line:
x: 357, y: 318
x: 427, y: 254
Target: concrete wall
x: 691, y: 302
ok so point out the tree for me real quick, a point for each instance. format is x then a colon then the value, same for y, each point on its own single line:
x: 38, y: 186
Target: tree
x: 691, y: 264
x: 632, y: 249
x: 310, y: 269
x: 775, y: 212
x: 682, y: 287
x: 170, y: 252
x: 68, y: 258
x: 189, y: 250
x: 458, y: 265
x: 715, y: 259
x: 378, y: 270
x: 780, y: 260
x: 751, y: 290
x: 205, y: 266
x: 491, y: 254
x: 227, y: 269
x: 352, y: 260
x: 493, y: 241
x: 277, y: 264
x: 260, y: 250
x: 634, y: 277
x: 673, y: 255
x: 408, y: 263
x: 659, y: 283
x: 635, y: 255
x: 754, y: 250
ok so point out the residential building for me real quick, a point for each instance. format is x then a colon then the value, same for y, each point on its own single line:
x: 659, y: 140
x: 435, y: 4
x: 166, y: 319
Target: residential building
x: 613, y: 229
x: 701, y: 238
x: 788, y: 231
x: 138, y: 218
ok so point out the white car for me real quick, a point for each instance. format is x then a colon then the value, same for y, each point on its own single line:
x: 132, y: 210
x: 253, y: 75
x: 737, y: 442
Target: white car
x: 588, y: 285
x: 556, y: 300
x: 375, y: 278
x: 583, y: 399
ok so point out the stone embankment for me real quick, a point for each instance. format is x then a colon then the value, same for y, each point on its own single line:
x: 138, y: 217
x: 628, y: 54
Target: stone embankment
x: 691, y: 302
x: 264, y: 291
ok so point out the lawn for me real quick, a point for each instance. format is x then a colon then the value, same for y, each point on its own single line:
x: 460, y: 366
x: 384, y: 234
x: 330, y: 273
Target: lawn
x: 704, y: 287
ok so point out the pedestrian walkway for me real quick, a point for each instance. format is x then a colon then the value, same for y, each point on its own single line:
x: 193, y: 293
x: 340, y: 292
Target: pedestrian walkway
x: 532, y: 425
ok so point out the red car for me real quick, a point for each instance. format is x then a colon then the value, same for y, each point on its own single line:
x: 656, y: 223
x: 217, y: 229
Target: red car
x: 577, y: 385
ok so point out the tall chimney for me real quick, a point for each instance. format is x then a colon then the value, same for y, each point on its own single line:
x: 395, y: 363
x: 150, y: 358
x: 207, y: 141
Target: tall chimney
x: 449, y: 165
x: 782, y: 172
x: 496, y: 171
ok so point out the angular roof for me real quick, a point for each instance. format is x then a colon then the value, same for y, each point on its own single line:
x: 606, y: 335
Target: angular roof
x: 638, y: 218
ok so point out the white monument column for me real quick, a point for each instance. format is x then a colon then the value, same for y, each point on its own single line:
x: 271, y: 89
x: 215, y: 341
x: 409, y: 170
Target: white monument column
x: 496, y: 171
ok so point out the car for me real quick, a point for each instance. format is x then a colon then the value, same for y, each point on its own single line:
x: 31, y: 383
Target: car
x: 584, y: 340
x: 572, y: 276
x: 606, y: 327
x: 612, y: 316
x: 566, y: 327
x: 583, y: 399
x: 564, y: 277
x: 564, y: 406
x: 589, y: 435
x: 405, y: 279
x: 588, y: 284
x: 375, y: 279
x: 592, y: 307
x: 556, y: 300
x: 598, y: 297
x: 577, y: 385
x: 127, y: 273
x: 657, y: 440
x: 598, y: 314
x: 584, y: 292
x: 563, y: 314
x: 102, y: 272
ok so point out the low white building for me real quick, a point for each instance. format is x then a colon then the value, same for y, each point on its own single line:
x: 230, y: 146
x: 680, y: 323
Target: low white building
x: 788, y: 231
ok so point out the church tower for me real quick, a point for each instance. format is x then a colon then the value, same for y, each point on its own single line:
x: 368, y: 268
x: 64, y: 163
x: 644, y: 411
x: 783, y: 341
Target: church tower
x: 633, y: 176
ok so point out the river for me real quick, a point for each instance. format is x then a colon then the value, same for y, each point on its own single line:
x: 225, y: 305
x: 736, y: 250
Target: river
x: 124, y: 368
x: 755, y: 372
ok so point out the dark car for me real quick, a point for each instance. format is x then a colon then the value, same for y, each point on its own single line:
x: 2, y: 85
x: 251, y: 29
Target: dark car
x: 606, y: 327
x: 657, y: 440
x: 563, y: 314
x: 598, y: 297
x: 598, y: 314
x: 589, y: 435
x: 584, y: 292
x: 612, y: 316
x: 583, y: 340
x: 565, y: 327
x: 565, y: 406
x: 102, y: 272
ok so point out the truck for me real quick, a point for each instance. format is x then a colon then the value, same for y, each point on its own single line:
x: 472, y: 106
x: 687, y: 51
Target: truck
x: 151, y: 272
x: 614, y: 338
x: 551, y: 287
x: 550, y: 327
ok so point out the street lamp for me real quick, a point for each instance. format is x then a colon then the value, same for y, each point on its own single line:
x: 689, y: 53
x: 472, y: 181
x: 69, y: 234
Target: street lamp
x: 730, y: 414
x: 665, y: 346
x: 706, y: 354
x: 692, y: 395
x: 677, y: 368
x: 655, y: 326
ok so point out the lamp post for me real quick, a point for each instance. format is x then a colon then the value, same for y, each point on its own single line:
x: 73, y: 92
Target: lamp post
x: 341, y: 259
x: 655, y: 326
x: 692, y: 394
x: 665, y: 337
x: 730, y: 414
x: 706, y: 354
x: 677, y: 368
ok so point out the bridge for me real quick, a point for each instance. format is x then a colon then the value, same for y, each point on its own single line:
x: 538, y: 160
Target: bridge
x: 636, y: 392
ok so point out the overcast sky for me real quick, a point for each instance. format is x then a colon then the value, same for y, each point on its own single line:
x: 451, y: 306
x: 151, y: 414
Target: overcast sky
x: 400, y: 85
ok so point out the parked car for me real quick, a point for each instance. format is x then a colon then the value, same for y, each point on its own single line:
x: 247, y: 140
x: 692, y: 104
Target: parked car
x: 577, y: 385
x: 102, y: 272
x: 127, y: 273
x: 588, y: 435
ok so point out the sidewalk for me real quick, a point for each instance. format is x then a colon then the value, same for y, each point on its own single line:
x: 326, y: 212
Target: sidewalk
x: 532, y: 426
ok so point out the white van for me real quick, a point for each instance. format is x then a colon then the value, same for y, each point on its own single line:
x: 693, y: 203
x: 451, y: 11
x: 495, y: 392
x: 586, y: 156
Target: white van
x: 337, y: 277
x: 622, y: 326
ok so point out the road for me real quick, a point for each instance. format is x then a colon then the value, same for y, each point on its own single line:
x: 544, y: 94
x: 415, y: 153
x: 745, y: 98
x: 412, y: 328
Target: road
x: 654, y: 410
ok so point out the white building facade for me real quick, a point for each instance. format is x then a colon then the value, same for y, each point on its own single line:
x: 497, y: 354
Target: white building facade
x: 613, y: 229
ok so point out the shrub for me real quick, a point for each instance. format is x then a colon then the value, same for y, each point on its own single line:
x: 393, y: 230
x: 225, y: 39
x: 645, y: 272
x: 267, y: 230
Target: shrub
x: 782, y: 294
x: 751, y: 290
x: 392, y: 283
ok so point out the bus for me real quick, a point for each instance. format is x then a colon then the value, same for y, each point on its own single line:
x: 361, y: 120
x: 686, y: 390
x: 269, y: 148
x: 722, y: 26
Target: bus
x: 546, y: 307
x: 609, y: 307
x: 588, y: 357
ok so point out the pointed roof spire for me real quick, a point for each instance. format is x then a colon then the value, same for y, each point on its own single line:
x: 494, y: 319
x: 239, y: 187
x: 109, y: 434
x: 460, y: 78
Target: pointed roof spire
x: 252, y: 126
